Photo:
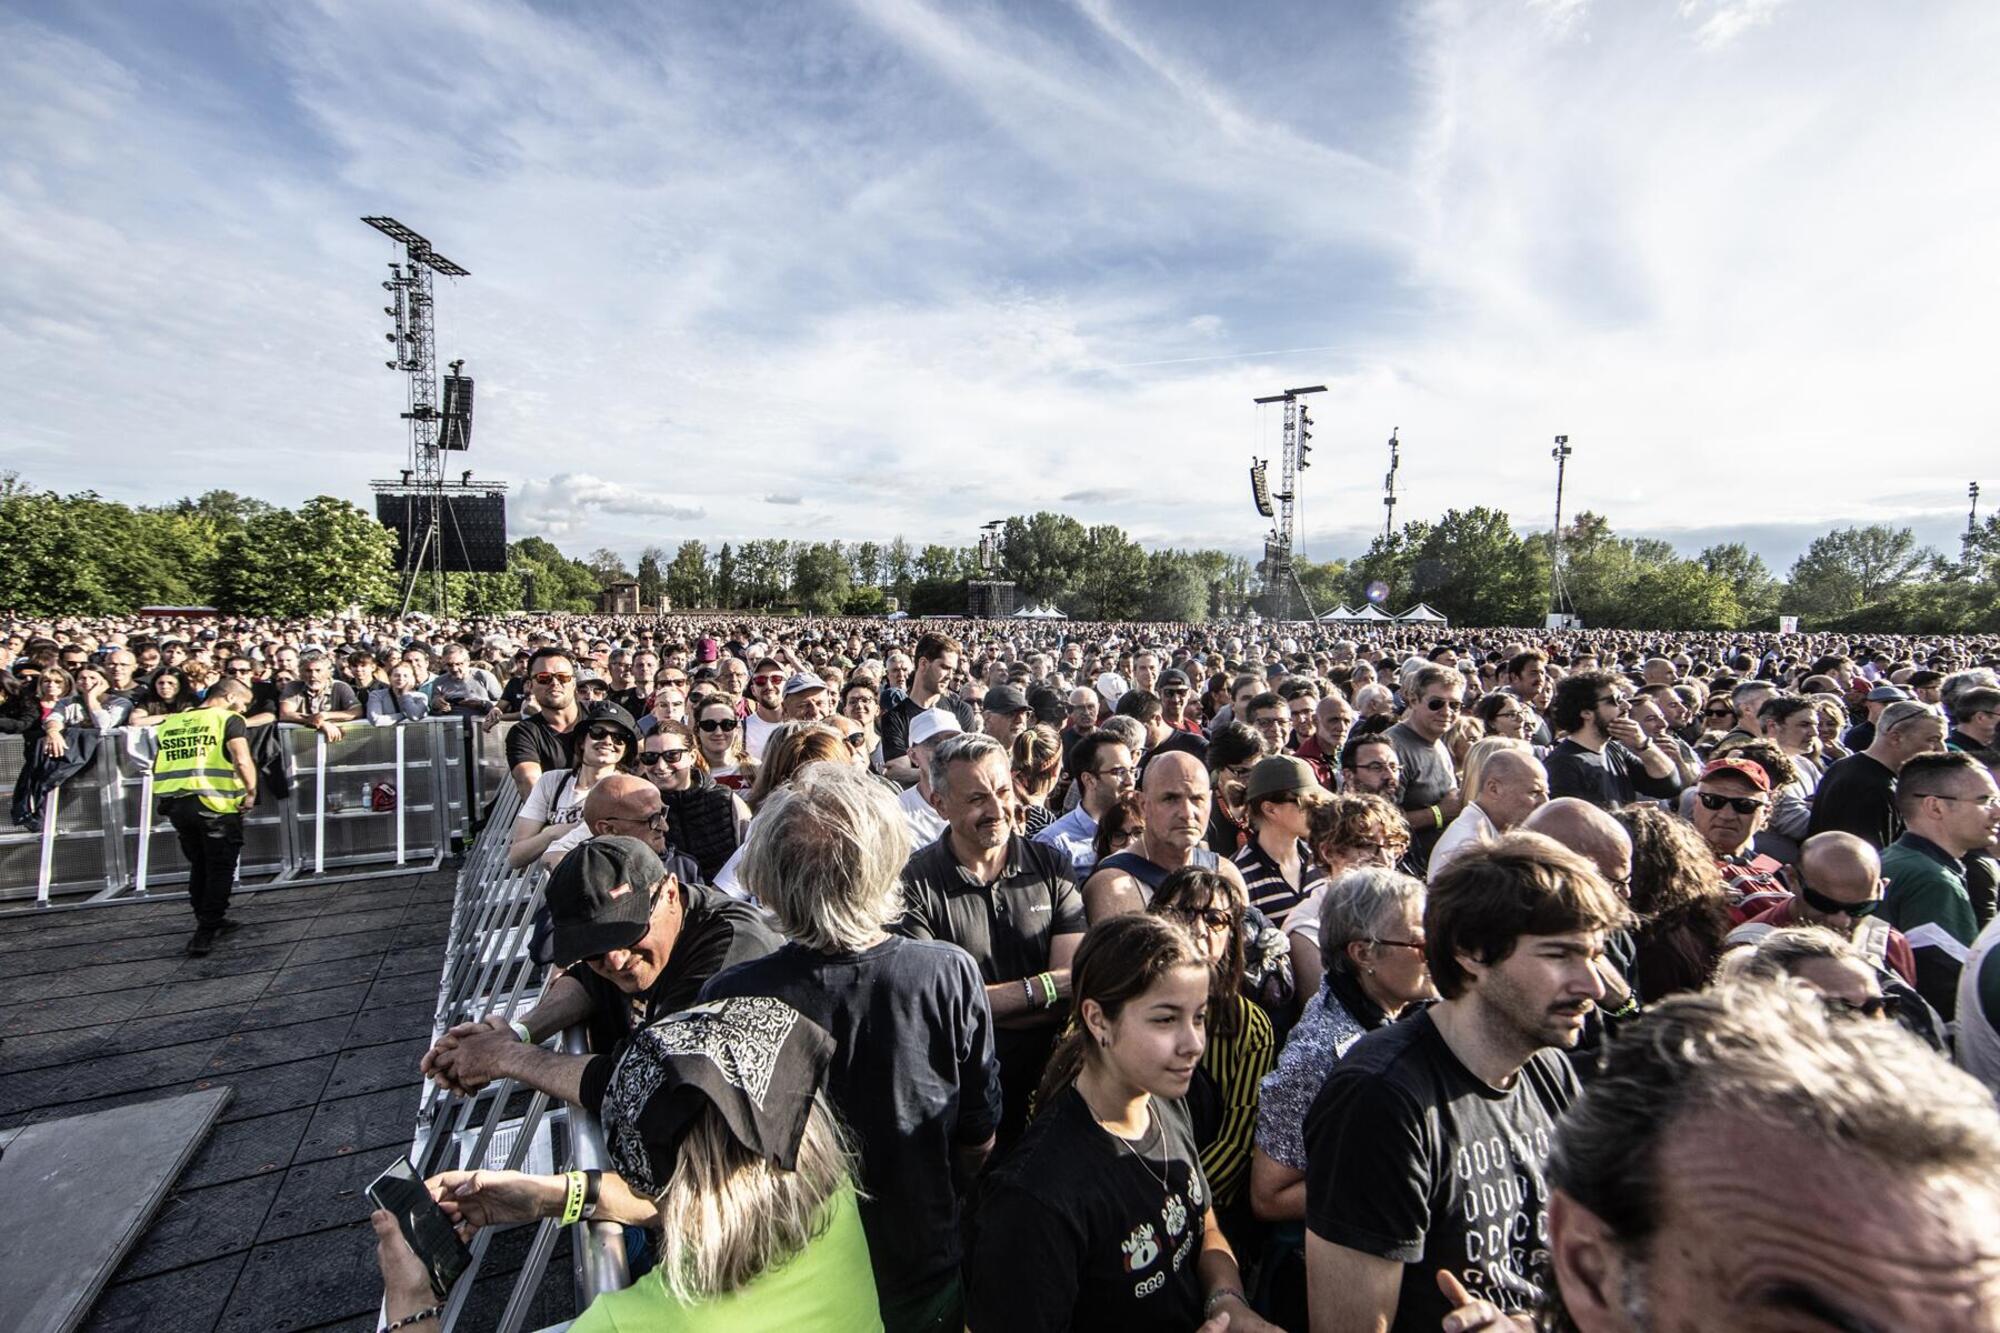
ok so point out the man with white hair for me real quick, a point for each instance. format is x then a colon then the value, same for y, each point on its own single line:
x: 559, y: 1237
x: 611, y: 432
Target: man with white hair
x: 908, y: 1015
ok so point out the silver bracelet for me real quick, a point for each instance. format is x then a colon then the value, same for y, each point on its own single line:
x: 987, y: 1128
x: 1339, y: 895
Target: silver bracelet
x: 416, y: 1318
x: 1218, y: 1296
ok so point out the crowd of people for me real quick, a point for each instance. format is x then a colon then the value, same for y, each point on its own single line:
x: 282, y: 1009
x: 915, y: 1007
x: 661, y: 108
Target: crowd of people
x: 1075, y: 976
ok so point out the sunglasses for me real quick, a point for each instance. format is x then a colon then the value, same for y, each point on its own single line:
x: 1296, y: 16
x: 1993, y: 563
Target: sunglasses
x: 1819, y: 902
x: 553, y: 678
x: 605, y: 734
x: 718, y: 724
x: 671, y: 758
x: 1718, y: 712
x: 856, y: 739
x: 1417, y: 945
x: 1215, y: 918
x: 1742, y: 805
x: 671, y: 680
x: 767, y: 680
x: 1875, y: 1006
x: 1440, y: 705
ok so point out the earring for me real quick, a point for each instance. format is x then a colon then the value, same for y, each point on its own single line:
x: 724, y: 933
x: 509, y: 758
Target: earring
x: 1371, y: 971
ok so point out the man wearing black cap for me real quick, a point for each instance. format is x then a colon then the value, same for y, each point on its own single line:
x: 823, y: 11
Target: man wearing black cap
x: 637, y: 944
x: 1007, y: 713
x: 1862, y: 734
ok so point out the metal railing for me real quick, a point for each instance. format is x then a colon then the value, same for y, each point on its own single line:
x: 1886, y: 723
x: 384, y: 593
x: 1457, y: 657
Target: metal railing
x: 379, y: 800
x: 487, y: 972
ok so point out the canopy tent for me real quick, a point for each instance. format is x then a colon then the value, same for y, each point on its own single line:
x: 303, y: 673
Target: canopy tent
x: 1420, y: 614
x: 1338, y: 613
x: 1370, y: 614
x: 1043, y: 612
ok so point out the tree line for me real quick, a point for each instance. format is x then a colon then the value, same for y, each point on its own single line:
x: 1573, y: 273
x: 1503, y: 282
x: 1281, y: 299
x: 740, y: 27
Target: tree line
x: 81, y: 554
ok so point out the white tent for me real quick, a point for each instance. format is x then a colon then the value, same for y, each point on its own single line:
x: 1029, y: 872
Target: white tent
x: 1371, y: 614
x: 1338, y: 613
x: 1420, y: 614
x: 1043, y: 612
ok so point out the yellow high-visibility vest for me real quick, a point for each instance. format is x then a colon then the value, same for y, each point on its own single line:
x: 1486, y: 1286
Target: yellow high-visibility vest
x: 193, y: 759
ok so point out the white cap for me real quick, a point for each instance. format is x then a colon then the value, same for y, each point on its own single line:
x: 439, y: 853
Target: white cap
x: 1112, y: 686
x: 931, y: 724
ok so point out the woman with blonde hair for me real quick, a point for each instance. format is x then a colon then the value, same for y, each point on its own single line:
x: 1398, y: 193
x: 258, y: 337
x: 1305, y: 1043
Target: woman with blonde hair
x: 725, y: 1148
x: 1037, y: 763
x: 719, y: 744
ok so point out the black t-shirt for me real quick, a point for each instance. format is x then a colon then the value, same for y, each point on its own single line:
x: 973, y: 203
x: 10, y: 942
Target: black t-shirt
x: 534, y: 741
x: 1857, y: 795
x: 1410, y: 1157
x: 1076, y: 1230
x: 1608, y: 778
x: 914, y: 1077
x: 896, y: 719
x: 717, y: 932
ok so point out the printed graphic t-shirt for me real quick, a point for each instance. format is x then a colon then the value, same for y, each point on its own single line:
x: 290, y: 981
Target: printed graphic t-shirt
x: 1410, y: 1157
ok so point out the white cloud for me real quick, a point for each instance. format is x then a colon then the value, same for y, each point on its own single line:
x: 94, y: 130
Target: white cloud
x: 576, y: 505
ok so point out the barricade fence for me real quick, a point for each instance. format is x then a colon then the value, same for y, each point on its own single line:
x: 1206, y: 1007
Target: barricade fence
x: 378, y: 800
x: 487, y: 972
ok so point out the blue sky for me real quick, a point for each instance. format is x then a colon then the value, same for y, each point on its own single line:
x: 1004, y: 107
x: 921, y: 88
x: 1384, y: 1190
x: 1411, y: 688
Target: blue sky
x: 852, y: 270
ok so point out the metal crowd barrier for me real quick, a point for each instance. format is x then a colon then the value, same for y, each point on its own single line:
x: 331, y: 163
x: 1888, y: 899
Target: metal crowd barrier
x: 101, y: 838
x: 487, y: 972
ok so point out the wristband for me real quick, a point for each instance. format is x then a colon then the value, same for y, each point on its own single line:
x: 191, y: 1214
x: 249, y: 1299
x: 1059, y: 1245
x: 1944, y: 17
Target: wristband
x: 1028, y: 987
x: 592, y: 1181
x: 1437, y: 817
x: 416, y: 1318
x: 1048, y: 981
x: 573, y: 1197
x: 1217, y: 1297
x: 521, y: 1031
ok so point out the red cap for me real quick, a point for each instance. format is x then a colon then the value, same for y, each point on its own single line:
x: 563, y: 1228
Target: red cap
x: 1749, y: 770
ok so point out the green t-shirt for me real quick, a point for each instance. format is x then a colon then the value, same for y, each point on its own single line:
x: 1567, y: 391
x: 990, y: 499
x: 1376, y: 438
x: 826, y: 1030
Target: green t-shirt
x: 829, y: 1287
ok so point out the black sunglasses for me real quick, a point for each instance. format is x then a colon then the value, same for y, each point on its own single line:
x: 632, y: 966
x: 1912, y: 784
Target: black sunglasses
x: 605, y: 734
x: 1742, y: 805
x: 1718, y: 712
x: 1215, y: 918
x: 1439, y: 705
x: 1875, y: 1006
x: 1819, y: 902
x: 670, y: 757
x: 718, y: 724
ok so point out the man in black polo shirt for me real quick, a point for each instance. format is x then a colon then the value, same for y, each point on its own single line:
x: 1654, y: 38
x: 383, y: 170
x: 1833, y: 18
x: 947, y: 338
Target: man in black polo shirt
x: 936, y: 659
x: 1858, y: 794
x: 546, y: 739
x: 637, y: 944
x: 1427, y: 1146
x: 1008, y: 902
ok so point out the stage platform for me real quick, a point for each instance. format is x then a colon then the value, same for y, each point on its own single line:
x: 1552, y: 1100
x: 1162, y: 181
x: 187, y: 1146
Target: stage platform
x: 315, y: 1014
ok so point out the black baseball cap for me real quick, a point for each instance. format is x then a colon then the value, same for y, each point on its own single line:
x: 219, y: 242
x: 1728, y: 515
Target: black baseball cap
x: 598, y: 899
x: 1006, y: 699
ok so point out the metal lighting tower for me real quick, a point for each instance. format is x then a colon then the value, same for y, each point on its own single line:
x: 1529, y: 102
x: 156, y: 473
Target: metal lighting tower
x: 415, y: 341
x: 1389, y: 484
x: 1972, y: 518
x: 1280, y: 574
x: 1558, y: 592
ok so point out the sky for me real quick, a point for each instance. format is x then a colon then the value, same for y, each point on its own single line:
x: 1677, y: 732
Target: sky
x: 853, y: 270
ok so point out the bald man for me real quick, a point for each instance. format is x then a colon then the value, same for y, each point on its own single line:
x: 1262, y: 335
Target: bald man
x: 1839, y: 883
x: 1174, y: 798
x: 624, y: 805
x: 1512, y: 785
x: 1602, y: 841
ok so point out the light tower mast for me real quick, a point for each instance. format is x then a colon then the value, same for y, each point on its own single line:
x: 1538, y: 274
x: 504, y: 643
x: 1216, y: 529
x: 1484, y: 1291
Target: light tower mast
x: 1389, y: 484
x: 1280, y: 575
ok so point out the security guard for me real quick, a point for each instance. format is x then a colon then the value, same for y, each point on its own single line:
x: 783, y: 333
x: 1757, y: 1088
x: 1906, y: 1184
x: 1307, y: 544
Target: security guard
x: 205, y: 782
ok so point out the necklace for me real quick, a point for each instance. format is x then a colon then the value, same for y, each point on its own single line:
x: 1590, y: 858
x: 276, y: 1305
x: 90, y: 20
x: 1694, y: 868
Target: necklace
x: 1160, y: 1176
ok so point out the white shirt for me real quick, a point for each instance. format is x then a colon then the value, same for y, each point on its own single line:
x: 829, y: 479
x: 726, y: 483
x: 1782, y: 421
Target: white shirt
x: 925, y: 824
x: 1472, y: 828
x: 556, y: 798
x: 756, y: 733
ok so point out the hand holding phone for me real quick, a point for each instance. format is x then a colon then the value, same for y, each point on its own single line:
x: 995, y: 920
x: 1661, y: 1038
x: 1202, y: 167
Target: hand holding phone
x: 401, y: 1192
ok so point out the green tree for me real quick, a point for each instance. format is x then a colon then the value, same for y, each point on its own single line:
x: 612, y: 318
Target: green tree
x: 1109, y: 579
x: 821, y: 581
x: 899, y: 570
x: 608, y: 566
x: 1389, y: 561
x: 1850, y: 568
x: 938, y: 564
x: 1475, y: 570
x: 484, y: 594
x: 1042, y: 553
x: 864, y: 563
x: 1174, y: 588
x: 550, y: 580
x: 1325, y: 582
x: 652, y: 576
x: 1680, y: 594
x: 764, y: 569
x: 325, y: 556
x: 725, y: 579
x: 688, y: 580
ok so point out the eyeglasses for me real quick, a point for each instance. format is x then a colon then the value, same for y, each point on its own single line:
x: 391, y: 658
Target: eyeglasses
x: 605, y: 734
x: 1875, y: 1006
x: 1983, y: 802
x: 1381, y: 766
x: 1613, y: 702
x: 1215, y: 918
x: 1819, y: 902
x: 1417, y: 945
x: 1742, y: 805
x: 1121, y: 771
x: 671, y: 758
x: 672, y: 680
x: 1441, y: 705
x: 553, y: 678
x: 718, y: 724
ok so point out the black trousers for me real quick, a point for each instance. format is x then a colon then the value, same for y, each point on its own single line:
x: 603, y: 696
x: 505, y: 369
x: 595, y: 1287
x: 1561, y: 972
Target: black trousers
x: 211, y: 843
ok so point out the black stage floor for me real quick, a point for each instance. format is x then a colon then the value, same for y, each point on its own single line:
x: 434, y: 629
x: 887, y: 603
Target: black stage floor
x: 315, y: 1013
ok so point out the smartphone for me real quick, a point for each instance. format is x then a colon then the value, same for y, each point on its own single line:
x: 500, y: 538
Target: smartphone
x: 402, y: 1192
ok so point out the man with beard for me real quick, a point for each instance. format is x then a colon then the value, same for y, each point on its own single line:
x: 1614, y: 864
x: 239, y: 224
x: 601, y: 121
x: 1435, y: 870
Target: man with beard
x: 1008, y: 902
x: 1604, y: 757
x: 1331, y: 718
x: 1426, y: 1147
x: 1369, y: 767
x: 937, y: 659
x: 1431, y: 798
x: 767, y: 705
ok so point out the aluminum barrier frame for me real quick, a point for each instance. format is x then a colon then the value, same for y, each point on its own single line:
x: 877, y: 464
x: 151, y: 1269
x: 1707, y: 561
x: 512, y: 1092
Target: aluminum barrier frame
x: 486, y: 972
x: 440, y: 771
